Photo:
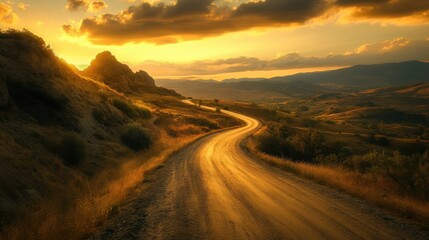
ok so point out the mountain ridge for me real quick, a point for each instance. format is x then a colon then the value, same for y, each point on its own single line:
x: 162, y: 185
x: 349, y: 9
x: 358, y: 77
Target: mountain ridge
x: 355, y: 78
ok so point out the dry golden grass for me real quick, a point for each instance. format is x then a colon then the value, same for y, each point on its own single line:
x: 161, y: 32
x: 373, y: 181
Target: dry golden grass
x: 75, y: 213
x: 377, y: 190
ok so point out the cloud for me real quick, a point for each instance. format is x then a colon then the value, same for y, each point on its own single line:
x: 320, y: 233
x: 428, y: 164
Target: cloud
x: 396, y: 50
x: 23, y: 6
x: 387, y: 8
x: 7, y: 15
x: 88, y: 5
x: 163, y: 22
x: 192, y: 19
x: 75, y: 5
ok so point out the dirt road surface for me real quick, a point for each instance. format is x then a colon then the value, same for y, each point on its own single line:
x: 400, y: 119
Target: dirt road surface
x: 212, y: 189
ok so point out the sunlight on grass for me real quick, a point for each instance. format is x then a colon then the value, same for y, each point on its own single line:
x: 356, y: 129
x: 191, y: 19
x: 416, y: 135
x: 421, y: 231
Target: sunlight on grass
x: 375, y: 189
x: 74, y: 215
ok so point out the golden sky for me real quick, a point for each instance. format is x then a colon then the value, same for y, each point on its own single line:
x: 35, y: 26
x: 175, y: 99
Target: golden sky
x: 227, y: 38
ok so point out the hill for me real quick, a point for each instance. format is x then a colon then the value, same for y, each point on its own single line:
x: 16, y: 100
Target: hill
x: 356, y: 78
x: 65, y: 137
x: 108, y: 70
x: 243, y: 90
x: 367, y: 76
x: 420, y: 90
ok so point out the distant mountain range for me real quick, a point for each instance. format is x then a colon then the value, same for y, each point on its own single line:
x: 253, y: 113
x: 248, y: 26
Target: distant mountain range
x: 355, y: 78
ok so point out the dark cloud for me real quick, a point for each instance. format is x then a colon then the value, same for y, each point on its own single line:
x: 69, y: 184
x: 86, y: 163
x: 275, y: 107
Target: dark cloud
x: 387, y: 8
x: 190, y: 19
x: 354, y: 3
x: 189, y: 7
x: 96, y: 6
x: 282, y: 10
x: 396, y: 50
x: 87, y: 5
x: 75, y: 4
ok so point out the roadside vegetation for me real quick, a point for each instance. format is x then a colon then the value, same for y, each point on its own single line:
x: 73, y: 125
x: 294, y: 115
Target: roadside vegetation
x: 378, y: 189
x: 362, y: 157
x: 407, y: 174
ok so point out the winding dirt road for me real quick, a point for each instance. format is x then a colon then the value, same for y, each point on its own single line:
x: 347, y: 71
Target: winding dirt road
x: 213, y: 190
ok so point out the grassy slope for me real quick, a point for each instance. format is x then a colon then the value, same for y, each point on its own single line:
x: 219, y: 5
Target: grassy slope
x: 42, y: 197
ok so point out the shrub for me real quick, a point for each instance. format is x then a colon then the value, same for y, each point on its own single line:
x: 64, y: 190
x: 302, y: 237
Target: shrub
x: 345, y: 152
x: 201, y: 122
x: 281, y: 140
x: 302, y: 109
x: 72, y: 149
x: 309, y: 122
x: 130, y: 110
x: 136, y: 138
x: 107, y: 115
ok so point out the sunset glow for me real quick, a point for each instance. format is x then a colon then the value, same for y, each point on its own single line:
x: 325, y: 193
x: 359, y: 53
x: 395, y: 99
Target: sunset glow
x: 185, y: 37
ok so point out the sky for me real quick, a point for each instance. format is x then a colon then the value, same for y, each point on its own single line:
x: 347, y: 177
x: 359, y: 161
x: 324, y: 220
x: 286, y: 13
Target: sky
x: 218, y: 39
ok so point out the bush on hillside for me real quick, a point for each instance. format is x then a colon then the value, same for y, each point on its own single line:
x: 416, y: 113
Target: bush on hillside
x: 107, y: 115
x: 136, y: 138
x: 202, y: 122
x: 303, y: 109
x: 72, y: 149
x: 281, y: 140
x: 130, y: 110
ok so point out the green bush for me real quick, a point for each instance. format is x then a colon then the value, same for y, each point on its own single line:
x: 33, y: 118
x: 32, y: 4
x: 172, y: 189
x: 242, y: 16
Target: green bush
x: 136, y: 138
x: 72, y: 149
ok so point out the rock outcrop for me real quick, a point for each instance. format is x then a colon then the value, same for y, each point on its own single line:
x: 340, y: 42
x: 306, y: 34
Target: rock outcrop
x: 107, y: 69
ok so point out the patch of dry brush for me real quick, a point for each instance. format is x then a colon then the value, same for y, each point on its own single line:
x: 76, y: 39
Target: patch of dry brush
x: 377, y: 189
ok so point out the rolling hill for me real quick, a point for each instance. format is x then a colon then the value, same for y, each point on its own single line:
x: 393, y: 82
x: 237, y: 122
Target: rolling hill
x: 353, y: 78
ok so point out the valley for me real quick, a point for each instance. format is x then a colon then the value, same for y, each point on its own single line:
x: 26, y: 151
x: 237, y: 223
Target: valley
x: 109, y: 152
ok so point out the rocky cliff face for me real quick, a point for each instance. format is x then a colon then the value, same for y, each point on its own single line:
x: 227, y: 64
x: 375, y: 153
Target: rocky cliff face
x: 107, y: 69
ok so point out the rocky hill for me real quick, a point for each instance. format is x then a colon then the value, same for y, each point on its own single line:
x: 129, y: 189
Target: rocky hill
x: 107, y: 69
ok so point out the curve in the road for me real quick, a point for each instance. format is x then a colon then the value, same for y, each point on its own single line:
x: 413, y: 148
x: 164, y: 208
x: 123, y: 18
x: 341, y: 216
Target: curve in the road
x: 213, y: 190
